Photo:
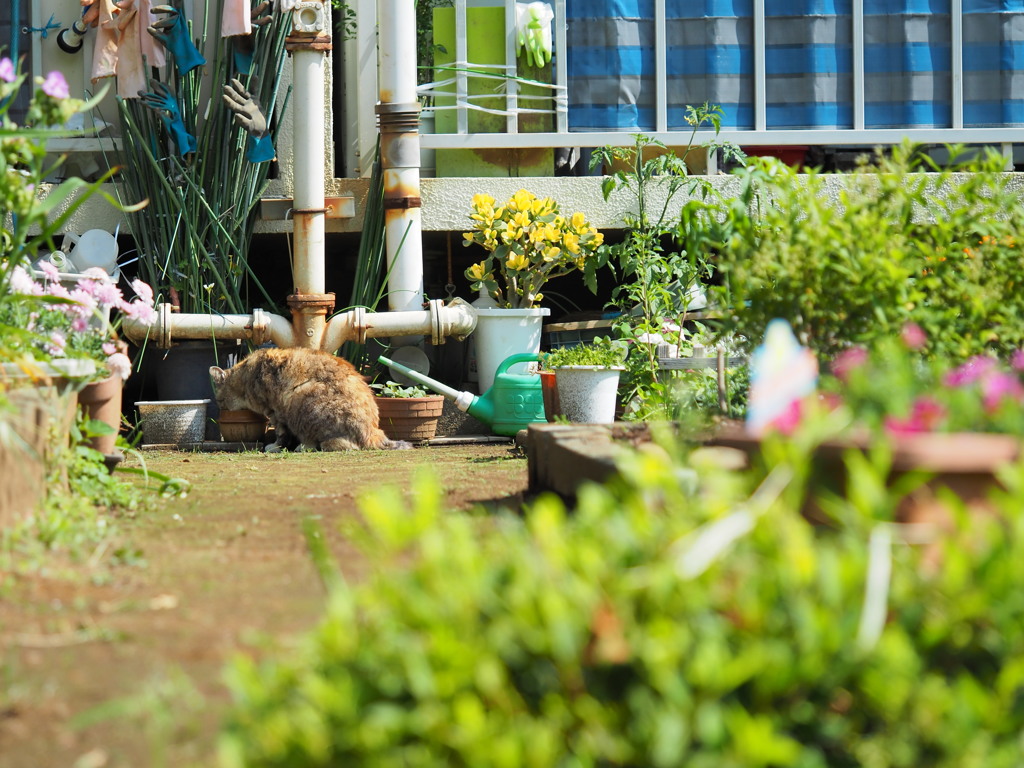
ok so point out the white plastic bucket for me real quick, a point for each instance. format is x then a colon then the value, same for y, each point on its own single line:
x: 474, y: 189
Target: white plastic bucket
x: 93, y: 248
x: 501, y: 333
x: 587, y: 393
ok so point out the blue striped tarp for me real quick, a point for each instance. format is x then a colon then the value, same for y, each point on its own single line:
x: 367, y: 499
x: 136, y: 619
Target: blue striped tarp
x: 808, y: 63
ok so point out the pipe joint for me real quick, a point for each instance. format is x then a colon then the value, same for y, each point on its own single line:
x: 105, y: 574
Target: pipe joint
x: 310, y: 28
x: 458, y: 319
x: 393, y: 117
x: 311, y: 303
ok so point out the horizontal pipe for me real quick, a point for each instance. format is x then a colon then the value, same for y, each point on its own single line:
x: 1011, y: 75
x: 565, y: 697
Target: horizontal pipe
x: 259, y: 327
x: 457, y: 319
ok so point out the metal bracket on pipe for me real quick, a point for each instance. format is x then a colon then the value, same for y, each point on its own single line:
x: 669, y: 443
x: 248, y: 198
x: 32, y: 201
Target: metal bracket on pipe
x: 282, y: 208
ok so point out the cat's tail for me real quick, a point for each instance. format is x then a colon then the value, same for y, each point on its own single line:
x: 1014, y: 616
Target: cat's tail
x: 381, y: 442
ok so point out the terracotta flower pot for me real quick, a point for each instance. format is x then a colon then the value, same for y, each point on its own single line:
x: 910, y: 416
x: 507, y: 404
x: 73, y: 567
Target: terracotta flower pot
x: 242, y: 426
x: 101, y: 401
x: 410, y: 418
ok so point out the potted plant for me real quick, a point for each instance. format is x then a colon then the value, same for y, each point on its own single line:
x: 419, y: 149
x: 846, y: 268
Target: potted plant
x: 408, y: 412
x: 529, y: 242
x: 587, y: 379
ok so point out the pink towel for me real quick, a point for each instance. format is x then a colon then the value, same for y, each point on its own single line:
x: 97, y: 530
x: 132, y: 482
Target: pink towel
x: 237, y: 18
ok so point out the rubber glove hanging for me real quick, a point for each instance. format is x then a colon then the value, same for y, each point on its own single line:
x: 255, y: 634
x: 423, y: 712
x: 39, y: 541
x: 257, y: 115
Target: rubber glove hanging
x: 162, y: 101
x: 244, y: 46
x: 533, y: 32
x: 173, y: 33
x: 249, y: 115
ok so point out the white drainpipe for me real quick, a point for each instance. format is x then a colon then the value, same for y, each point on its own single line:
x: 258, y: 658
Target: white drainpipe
x: 310, y: 305
x: 399, y: 114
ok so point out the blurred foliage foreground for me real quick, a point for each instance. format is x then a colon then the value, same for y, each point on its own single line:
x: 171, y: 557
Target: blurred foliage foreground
x: 683, y: 615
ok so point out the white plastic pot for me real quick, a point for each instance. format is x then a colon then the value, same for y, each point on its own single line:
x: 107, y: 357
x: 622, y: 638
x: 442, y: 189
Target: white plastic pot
x: 501, y: 333
x: 587, y: 393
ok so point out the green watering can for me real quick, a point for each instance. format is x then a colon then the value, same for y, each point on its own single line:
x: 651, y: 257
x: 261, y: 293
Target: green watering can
x: 513, y: 402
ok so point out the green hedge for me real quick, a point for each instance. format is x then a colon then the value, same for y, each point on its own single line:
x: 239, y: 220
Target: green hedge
x: 685, y: 617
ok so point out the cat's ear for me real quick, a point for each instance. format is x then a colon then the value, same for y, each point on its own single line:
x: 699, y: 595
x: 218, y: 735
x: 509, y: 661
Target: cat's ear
x: 217, y: 376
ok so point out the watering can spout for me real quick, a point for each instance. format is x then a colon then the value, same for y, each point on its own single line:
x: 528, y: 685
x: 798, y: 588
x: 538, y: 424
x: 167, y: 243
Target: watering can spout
x: 461, y: 399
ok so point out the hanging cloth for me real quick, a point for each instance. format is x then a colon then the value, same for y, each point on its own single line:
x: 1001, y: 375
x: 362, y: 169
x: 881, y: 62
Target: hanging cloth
x: 151, y: 49
x: 236, y: 19
x: 118, y: 49
x: 104, y: 60
x: 131, y: 72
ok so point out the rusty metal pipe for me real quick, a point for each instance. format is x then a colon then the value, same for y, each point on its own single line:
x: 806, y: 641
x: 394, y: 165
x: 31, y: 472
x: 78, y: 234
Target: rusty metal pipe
x: 398, y: 113
x: 308, y: 43
x: 259, y: 327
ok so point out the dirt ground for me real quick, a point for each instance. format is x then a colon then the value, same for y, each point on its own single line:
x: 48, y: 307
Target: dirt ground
x: 121, y: 666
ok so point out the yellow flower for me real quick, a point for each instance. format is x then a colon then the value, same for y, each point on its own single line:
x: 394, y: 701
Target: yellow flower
x: 571, y: 242
x: 552, y: 253
x: 477, y: 271
x: 517, y: 261
x: 483, y: 200
x: 579, y: 221
x: 596, y: 238
x: 521, y: 200
x: 511, y: 234
x: 542, y: 206
x: 469, y: 237
x: 522, y: 219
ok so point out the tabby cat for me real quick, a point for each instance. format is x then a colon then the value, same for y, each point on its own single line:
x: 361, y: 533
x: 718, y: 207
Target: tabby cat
x: 311, y: 397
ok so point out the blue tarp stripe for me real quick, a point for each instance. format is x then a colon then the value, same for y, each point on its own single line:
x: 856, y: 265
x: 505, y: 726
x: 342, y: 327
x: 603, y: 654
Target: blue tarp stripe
x: 820, y: 59
x: 907, y: 57
x: 720, y: 60
x: 996, y: 57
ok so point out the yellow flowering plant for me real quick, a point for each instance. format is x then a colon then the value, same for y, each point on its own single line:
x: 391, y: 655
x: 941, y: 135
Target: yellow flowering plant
x: 530, y: 242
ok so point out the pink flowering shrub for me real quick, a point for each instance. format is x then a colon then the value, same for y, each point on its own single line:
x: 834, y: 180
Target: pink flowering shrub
x: 895, y: 389
x: 43, y: 319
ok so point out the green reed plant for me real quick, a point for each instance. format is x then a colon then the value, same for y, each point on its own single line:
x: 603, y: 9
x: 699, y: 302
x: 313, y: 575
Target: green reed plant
x: 195, y: 234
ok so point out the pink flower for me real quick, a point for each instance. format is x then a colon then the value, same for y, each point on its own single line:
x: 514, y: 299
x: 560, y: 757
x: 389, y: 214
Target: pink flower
x: 80, y: 324
x: 1017, y: 360
x: 109, y: 348
x: 140, y: 311
x: 913, y: 336
x: 118, y: 363
x: 925, y: 415
x: 22, y: 282
x: 847, y: 361
x: 143, y: 291
x: 56, y: 344
x: 975, y: 369
x: 49, y: 271
x: 56, y: 86
x: 999, y: 385
x: 7, y: 72
x: 787, y: 421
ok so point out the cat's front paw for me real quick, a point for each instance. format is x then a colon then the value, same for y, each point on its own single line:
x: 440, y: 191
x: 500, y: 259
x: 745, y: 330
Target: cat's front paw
x: 274, y: 447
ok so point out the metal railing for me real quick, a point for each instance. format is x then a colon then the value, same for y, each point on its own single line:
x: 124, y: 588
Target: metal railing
x: 456, y: 85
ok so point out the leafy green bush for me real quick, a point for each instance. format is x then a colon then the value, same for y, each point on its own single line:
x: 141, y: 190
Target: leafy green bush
x: 682, y: 617
x: 897, y: 245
